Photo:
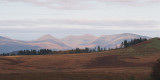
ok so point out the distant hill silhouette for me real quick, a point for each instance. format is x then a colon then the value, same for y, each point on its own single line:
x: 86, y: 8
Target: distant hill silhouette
x: 110, y: 41
x: 9, y: 45
x: 81, y: 41
x: 69, y: 42
x: 49, y: 42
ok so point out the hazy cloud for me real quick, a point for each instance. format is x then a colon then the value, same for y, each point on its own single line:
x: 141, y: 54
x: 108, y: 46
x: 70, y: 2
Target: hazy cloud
x: 123, y: 23
x: 79, y: 24
x: 82, y: 4
x: 54, y: 4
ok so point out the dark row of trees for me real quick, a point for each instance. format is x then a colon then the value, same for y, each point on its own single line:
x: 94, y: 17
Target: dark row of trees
x: 88, y: 50
x: 7, y: 54
x: 126, y: 43
x: 48, y: 51
x: 34, y: 52
x: 28, y: 52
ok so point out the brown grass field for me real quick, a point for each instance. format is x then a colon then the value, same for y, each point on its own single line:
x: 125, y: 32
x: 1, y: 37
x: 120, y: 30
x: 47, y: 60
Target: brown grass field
x: 132, y: 63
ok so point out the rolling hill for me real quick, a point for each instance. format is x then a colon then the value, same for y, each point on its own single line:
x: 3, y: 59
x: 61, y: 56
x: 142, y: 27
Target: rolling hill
x: 125, y: 63
x: 44, y: 42
x: 10, y: 45
x: 69, y: 42
x: 49, y: 42
x: 111, y: 41
x: 81, y: 41
x: 108, y: 41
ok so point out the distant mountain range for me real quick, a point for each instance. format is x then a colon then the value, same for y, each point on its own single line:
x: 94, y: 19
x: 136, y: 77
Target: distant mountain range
x: 69, y: 42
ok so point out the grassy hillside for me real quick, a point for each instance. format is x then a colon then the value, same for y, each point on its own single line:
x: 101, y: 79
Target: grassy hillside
x: 145, y: 48
x: 154, y: 44
x: 130, y: 63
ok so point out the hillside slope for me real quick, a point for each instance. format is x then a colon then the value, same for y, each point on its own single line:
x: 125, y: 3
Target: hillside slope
x: 144, y: 48
x: 136, y: 60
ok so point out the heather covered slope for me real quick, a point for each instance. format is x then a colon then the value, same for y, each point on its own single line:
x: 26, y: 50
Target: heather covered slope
x: 136, y: 61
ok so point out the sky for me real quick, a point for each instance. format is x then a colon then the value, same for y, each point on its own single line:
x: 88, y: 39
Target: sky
x: 30, y: 19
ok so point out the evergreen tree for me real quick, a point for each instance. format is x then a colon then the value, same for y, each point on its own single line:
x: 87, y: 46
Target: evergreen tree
x: 99, y: 49
x: 87, y: 50
x: 126, y: 43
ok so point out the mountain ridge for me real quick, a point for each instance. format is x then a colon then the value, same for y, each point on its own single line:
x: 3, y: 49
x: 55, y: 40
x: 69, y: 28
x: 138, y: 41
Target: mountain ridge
x: 81, y: 41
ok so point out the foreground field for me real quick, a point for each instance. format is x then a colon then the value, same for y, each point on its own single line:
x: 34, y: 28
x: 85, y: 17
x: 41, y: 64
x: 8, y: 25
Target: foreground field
x: 74, y: 76
x: 98, y: 66
x: 132, y: 63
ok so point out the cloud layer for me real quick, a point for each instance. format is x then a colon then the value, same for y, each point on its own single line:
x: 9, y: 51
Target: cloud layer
x: 47, y: 24
x: 79, y: 17
x: 82, y: 4
x: 124, y: 23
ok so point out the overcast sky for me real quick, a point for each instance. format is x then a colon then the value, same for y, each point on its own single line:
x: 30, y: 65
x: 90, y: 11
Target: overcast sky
x: 30, y: 19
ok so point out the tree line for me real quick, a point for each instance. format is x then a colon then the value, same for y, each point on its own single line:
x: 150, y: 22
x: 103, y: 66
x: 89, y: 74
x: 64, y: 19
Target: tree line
x: 49, y: 51
x: 126, y: 43
x: 34, y: 52
x: 88, y: 50
x: 28, y: 52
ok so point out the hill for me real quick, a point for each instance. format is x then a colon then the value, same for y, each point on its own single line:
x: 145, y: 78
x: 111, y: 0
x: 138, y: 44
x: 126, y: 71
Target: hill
x: 144, y: 48
x: 70, y: 42
x: 81, y: 41
x: 111, y: 41
x: 44, y: 42
x: 107, y: 41
x: 9, y: 45
x: 49, y: 42
x: 126, y: 63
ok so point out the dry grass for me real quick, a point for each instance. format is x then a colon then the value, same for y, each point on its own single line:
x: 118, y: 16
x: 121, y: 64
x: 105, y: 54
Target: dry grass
x: 87, y: 66
x: 72, y: 76
x: 122, y: 63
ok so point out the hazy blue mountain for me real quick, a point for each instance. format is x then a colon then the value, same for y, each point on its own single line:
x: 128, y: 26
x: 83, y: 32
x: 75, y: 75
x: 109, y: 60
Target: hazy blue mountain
x: 69, y: 42
x: 49, y: 42
x: 10, y: 45
x: 80, y: 41
x: 110, y: 41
